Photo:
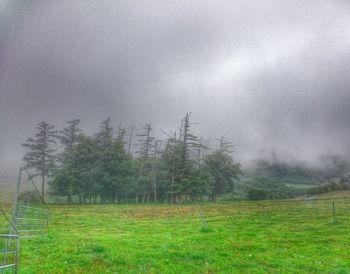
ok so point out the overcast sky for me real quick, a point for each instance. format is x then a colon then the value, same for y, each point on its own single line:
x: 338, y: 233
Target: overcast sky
x: 272, y: 76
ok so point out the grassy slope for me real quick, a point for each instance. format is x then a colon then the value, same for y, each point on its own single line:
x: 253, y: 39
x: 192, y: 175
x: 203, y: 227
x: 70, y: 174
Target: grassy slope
x: 335, y: 194
x: 247, y: 237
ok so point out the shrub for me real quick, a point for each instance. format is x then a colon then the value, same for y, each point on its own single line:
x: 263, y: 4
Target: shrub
x: 29, y: 197
x: 331, y: 186
x: 256, y: 194
x: 272, y: 188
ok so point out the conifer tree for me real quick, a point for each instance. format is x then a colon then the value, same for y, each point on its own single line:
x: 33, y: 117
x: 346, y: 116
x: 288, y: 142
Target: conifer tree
x: 105, y: 136
x: 40, y: 154
x: 70, y: 135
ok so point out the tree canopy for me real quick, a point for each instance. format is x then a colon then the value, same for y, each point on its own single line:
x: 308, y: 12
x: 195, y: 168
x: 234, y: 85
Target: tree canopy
x: 101, y: 168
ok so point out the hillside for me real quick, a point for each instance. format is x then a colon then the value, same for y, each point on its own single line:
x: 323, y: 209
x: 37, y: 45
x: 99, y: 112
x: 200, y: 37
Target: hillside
x: 330, y: 168
x: 335, y: 194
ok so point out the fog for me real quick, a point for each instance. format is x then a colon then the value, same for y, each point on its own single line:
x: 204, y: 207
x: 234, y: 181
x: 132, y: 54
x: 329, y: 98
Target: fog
x: 272, y: 76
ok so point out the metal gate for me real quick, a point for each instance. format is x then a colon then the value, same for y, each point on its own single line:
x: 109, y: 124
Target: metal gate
x: 9, y: 248
x: 27, y: 222
x: 9, y: 252
x: 31, y: 222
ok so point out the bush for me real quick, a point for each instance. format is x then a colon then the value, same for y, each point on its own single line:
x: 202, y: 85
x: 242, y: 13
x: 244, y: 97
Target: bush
x: 29, y: 197
x: 272, y: 188
x: 256, y: 194
x: 331, y: 186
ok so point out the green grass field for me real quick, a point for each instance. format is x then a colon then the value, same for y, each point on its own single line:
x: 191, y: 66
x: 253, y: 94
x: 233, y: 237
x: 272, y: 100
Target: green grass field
x: 244, y: 237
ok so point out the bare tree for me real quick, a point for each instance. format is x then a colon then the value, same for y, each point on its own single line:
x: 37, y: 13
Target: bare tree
x: 105, y: 136
x: 145, y: 144
x: 121, y: 133
x: 225, y: 146
x: 130, y: 139
x: 157, y: 150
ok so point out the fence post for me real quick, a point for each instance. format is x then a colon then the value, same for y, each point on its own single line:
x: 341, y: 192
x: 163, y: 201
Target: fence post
x: 17, y: 255
x: 333, y: 207
x: 202, y: 217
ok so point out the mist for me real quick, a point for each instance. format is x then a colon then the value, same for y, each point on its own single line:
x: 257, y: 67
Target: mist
x: 271, y: 76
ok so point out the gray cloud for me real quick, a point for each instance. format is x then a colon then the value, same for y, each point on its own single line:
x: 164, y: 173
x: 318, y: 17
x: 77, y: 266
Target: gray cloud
x: 270, y: 75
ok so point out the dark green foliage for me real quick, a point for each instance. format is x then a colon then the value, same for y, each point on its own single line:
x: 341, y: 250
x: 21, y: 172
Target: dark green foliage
x: 273, y: 188
x: 29, y: 197
x: 170, y: 160
x: 256, y: 194
x: 105, y: 136
x: 75, y: 177
x: 99, y: 169
x: 223, y: 170
x: 285, y: 173
x: 40, y: 155
x: 94, y: 170
x: 343, y: 184
x: 113, y: 167
x: 69, y: 136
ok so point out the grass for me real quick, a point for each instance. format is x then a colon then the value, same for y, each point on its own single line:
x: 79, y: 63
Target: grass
x: 242, y: 237
x: 335, y: 194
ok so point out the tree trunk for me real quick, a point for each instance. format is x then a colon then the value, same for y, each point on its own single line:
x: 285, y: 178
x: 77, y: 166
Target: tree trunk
x: 155, y: 188
x: 43, y: 187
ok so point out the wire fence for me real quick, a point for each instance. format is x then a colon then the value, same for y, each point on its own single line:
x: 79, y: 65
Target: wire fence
x: 301, y: 213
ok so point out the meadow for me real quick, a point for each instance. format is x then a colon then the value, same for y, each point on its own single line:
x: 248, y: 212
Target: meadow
x: 295, y: 236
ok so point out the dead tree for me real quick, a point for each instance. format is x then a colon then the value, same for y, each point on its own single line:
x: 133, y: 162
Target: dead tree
x: 130, y: 139
x: 172, y: 145
x: 225, y: 146
x: 105, y: 136
x: 206, y: 149
x: 157, y: 150
x: 145, y: 143
x: 121, y: 133
x: 201, y: 149
x: 189, y: 143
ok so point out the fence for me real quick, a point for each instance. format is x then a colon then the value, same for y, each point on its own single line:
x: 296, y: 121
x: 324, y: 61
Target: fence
x: 31, y: 222
x: 9, y: 252
x: 27, y: 222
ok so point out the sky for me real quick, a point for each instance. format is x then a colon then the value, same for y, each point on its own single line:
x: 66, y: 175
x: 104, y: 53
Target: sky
x: 271, y: 76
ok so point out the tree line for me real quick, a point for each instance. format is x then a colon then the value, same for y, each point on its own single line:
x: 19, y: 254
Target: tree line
x: 121, y: 166
x: 342, y: 184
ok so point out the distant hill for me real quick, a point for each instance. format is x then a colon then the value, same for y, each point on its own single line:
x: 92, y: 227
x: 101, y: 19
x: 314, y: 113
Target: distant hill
x: 330, y: 168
